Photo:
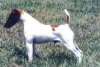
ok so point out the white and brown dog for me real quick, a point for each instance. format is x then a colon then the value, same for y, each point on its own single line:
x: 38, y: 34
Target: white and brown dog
x: 37, y: 33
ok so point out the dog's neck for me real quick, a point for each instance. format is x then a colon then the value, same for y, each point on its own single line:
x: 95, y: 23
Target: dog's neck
x: 28, y: 19
x: 29, y: 22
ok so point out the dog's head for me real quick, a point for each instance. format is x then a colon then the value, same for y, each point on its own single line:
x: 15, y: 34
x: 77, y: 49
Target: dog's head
x: 13, y: 18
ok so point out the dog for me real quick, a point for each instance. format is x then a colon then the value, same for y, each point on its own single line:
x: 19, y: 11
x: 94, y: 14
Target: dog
x: 37, y: 33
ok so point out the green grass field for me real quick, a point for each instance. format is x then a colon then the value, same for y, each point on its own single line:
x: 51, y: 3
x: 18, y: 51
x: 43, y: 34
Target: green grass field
x: 85, y: 22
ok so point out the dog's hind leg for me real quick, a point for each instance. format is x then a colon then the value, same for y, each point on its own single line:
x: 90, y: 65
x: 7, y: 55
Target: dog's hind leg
x: 78, y: 49
x: 70, y: 45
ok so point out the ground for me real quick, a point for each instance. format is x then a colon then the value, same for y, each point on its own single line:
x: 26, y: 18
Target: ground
x: 85, y: 22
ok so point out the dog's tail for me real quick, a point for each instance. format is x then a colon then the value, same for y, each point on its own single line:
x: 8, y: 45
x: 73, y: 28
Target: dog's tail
x: 68, y: 16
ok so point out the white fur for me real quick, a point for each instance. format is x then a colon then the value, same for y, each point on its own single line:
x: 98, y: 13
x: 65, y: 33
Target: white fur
x: 37, y: 33
x: 66, y: 12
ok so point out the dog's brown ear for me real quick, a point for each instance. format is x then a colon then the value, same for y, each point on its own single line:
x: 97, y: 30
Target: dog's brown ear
x: 20, y: 11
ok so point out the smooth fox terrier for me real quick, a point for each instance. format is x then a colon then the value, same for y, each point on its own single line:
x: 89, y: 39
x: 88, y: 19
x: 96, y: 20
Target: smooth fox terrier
x: 37, y: 33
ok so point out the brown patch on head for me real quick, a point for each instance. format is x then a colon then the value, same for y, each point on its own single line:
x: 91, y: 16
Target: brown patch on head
x: 20, y: 11
x: 54, y: 27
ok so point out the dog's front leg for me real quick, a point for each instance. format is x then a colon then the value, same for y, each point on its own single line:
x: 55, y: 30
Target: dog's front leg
x: 30, y: 50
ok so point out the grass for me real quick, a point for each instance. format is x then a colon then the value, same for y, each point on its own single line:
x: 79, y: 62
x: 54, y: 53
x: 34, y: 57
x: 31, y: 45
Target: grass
x: 85, y: 22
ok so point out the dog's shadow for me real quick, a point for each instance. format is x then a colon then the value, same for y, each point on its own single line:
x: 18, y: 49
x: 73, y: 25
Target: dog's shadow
x: 21, y: 55
x: 61, y: 57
